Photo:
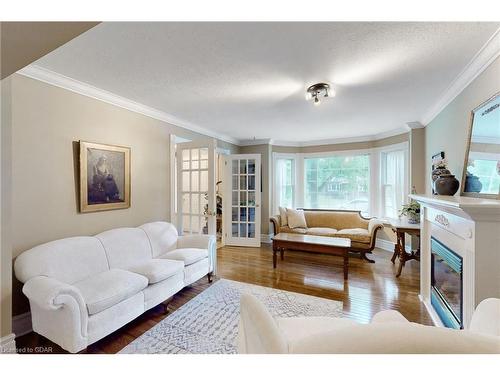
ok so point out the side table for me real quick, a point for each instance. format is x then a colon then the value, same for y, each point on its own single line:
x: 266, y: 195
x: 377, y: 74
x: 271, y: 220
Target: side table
x: 401, y: 227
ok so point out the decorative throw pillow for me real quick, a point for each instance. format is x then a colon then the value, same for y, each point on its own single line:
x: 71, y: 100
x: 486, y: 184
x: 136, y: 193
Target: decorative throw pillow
x: 296, y: 218
x: 283, y: 217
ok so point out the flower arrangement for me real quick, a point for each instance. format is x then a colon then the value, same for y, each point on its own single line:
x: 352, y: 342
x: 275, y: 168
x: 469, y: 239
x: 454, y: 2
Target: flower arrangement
x: 412, y: 211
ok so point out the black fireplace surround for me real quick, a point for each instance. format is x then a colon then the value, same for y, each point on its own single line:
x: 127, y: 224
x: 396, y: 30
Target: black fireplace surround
x: 447, y: 284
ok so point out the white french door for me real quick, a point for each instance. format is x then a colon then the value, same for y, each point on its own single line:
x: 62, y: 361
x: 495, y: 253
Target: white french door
x: 196, y: 187
x: 241, y: 210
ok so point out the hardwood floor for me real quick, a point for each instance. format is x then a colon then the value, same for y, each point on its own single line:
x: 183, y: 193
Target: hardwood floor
x: 370, y: 288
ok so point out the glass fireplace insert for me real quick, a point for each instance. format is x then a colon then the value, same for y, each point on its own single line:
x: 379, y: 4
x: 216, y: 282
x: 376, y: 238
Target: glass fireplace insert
x: 447, y: 284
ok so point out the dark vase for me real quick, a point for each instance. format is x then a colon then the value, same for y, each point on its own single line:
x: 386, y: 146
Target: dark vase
x: 472, y: 184
x: 435, y: 175
x: 446, y: 184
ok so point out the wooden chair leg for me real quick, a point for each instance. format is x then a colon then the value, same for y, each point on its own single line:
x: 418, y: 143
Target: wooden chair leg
x: 400, y: 267
x: 363, y: 256
x: 395, y: 254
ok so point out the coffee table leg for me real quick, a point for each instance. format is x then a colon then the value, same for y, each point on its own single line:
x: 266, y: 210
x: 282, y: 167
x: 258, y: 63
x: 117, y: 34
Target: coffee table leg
x: 346, y: 264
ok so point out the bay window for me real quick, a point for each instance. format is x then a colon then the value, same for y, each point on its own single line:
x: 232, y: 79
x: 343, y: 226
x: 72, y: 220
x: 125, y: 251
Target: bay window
x: 373, y: 181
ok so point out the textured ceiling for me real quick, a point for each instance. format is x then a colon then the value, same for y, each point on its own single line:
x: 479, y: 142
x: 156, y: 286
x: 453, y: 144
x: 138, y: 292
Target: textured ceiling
x: 246, y: 80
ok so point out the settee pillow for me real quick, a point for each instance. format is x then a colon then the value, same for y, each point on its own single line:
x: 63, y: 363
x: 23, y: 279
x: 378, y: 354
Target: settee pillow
x: 296, y: 218
x: 283, y: 216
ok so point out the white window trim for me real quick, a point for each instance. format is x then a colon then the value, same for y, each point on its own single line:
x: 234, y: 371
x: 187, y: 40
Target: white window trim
x: 290, y: 156
x: 403, y: 146
x: 375, y: 154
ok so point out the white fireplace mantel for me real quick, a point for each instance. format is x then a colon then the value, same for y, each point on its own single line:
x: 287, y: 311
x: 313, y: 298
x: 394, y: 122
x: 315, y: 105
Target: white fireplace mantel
x: 471, y: 227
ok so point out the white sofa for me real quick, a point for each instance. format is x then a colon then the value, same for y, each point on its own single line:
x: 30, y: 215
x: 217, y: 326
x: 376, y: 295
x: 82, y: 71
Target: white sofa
x: 81, y: 289
x: 389, y: 333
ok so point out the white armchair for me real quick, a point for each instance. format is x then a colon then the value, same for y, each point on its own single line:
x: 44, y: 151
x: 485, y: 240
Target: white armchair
x: 389, y: 332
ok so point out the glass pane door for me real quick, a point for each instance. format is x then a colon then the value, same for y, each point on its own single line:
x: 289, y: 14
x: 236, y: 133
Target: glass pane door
x: 196, y: 188
x: 243, y: 200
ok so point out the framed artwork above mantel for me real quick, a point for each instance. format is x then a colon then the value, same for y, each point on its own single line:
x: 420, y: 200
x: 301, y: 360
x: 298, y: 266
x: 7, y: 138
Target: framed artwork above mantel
x: 104, y: 177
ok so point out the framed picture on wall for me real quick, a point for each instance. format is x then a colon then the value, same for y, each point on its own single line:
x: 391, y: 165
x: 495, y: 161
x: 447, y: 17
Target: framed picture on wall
x: 104, y: 177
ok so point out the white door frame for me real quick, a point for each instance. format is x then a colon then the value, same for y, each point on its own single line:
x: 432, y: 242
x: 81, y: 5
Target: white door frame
x: 228, y: 198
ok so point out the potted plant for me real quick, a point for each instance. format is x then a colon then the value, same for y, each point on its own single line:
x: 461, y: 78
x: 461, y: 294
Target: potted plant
x: 411, y: 211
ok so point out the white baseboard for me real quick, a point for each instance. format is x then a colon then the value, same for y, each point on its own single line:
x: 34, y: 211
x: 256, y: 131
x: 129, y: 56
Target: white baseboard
x: 21, y: 324
x: 388, y: 245
x: 8, y: 344
x: 266, y: 238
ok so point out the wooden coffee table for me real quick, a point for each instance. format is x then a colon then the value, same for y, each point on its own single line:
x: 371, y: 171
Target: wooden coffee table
x: 312, y: 244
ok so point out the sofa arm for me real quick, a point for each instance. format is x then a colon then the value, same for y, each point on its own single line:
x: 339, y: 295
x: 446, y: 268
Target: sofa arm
x: 374, y: 225
x: 276, y: 221
x: 389, y: 316
x: 201, y: 241
x: 51, y: 294
x: 197, y: 241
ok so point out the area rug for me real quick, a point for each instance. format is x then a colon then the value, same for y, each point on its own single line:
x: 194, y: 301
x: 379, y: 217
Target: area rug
x: 208, y: 324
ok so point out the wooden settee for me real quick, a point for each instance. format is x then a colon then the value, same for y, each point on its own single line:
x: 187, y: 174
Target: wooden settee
x: 337, y: 223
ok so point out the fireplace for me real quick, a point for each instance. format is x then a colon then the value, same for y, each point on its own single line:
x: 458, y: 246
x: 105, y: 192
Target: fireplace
x: 447, y: 284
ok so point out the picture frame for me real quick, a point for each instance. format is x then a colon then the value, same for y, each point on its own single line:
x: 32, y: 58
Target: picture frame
x: 104, y: 177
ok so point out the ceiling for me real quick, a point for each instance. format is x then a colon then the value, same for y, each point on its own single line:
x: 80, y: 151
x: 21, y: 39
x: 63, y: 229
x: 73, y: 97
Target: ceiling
x: 248, y: 80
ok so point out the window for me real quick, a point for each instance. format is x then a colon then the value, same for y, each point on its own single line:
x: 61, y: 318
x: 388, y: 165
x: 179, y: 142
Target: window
x: 284, y: 187
x: 487, y: 168
x: 373, y: 181
x: 393, y: 182
x: 337, y: 182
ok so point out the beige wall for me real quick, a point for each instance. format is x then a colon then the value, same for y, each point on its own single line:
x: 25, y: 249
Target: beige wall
x: 5, y: 211
x: 448, y: 130
x: 265, y: 152
x: 417, y: 159
x: 47, y: 120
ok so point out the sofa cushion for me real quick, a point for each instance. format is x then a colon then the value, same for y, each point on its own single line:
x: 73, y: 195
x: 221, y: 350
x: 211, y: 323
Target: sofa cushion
x: 126, y: 247
x: 335, y: 219
x: 156, y: 270
x: 319, y: 231
x: 296, y: 218
x: 108, y: 288
x: 295, y: 230
x: 187, y: 255
x: 162, y: 235
x: 355, y: 234
x: 283, y: 216
x: 68, y: 260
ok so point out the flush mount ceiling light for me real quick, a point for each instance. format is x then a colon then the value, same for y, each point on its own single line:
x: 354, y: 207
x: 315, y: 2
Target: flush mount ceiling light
x: 319, y: 91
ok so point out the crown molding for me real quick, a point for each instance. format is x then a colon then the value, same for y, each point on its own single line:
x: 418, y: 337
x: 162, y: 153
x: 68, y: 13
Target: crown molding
x: 255, y: 142
x: 62, y: 81
x: 335, y: 141
x: 415, y: 125
x: 481, y: 60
